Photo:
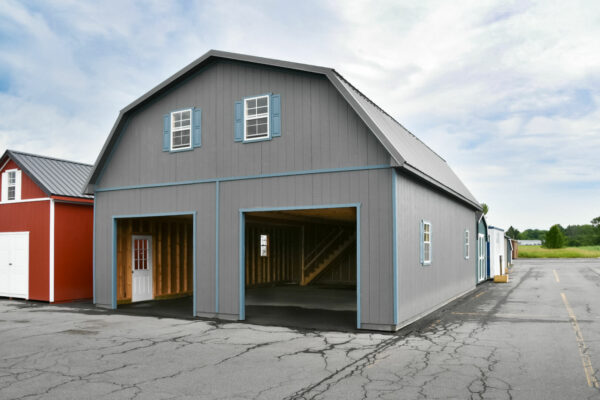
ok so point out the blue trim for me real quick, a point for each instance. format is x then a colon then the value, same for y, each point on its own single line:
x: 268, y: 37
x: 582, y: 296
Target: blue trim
x: 217, y: 216
x: 496, y: 228
x: 395, y: 245
x: 94, y: 256
x: 194, y: 264
x: 358, y: 266
x: 240, y: 178
x: 242, y: 249
x: 114, y: 249
x: 114, y: 264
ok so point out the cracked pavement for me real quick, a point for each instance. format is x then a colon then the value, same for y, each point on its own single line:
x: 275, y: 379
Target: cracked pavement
x: 502, y: 341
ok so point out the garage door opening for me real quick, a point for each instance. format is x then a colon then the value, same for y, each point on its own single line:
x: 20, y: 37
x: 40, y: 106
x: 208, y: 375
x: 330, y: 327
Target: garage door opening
x: 155, y: 266
x: 301, y: 268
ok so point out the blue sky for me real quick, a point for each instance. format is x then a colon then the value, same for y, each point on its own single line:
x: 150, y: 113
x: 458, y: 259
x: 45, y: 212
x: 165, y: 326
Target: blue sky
x: 508, y: 93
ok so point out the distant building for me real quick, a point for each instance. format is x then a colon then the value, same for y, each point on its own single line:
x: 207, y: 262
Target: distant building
x: 535, y: 242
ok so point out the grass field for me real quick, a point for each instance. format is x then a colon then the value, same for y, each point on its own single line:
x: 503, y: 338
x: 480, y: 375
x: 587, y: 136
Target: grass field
x: 566, y: 252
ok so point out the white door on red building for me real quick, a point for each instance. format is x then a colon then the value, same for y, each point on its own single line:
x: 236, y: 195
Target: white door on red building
x: 14, y: 264
x: 141, y: 268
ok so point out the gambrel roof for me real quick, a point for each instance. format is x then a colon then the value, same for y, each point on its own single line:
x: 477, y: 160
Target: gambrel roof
x: 406, y: 150
x: 54, y: 176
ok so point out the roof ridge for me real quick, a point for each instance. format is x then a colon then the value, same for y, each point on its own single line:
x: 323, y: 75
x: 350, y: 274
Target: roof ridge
x: 387, y: 114
x: 48, y: 157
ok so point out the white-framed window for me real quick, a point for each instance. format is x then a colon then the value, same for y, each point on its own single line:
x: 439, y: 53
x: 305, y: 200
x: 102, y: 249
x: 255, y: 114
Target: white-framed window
x: 425, y: 242
x: 181, y: 129
x: 264, y: 245
x: 467, y: 245
x: 12, y: 185
x: 256, y: 117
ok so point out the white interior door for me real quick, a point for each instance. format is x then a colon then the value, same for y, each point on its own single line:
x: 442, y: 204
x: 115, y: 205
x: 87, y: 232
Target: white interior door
x: 141, y: 268
x: 14, y: 264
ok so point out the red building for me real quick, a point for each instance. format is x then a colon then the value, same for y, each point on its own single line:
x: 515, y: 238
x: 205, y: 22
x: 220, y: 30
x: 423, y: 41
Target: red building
x: 46, y: 229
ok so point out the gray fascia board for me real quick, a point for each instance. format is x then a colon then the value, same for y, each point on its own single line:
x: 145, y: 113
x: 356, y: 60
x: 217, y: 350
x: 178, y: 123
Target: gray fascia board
x: 349, y: 97
x: 440, y: 185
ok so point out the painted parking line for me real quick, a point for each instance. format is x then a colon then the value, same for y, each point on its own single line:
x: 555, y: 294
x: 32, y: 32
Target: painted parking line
x: 583, y: 349
x: 479, y: 294
x: 556, y: 276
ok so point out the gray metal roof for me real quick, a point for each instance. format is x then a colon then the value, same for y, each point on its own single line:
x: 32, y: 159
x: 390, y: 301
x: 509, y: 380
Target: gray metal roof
x: 408, y: 152
x: 54, y: 176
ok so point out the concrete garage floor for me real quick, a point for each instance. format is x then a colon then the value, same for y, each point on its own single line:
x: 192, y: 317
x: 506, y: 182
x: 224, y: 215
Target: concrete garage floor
x: 527, y: 339
x: 304, y: 307
x: 181, y: 307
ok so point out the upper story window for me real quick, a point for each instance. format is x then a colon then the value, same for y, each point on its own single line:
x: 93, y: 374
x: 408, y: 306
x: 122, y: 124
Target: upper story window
x: 181, y: 129
x: 256, y: 118
x: 12, y: 185
x: 467, y: 244
x: 425, y: 242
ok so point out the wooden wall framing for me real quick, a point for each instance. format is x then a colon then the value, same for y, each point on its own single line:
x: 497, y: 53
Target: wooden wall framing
x: 172, y: 253
x: 289, y: 243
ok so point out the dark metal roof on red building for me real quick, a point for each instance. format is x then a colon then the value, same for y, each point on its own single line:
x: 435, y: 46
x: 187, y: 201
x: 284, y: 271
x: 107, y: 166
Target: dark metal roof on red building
x: 54, y: 176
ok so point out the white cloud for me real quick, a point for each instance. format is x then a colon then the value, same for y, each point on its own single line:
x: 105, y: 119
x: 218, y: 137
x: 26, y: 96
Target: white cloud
x: 506, y: 92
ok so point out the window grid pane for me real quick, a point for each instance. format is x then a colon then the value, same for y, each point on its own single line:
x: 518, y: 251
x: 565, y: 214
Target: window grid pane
x: 181, y: 129
x: 257, y: 122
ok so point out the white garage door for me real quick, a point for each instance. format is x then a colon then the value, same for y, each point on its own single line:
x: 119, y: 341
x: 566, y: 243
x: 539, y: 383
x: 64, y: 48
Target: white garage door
x: 14, y: 264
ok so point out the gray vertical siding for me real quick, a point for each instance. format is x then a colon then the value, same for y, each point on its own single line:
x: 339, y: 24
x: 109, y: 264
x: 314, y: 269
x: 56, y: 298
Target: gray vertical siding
x: 371, y: 189
x: 319, y: 130
x: 158, y: 201
x: 423, y: 288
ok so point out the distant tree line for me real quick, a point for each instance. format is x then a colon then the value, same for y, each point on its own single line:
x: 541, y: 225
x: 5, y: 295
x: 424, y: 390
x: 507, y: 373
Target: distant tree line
x: 558, y: 236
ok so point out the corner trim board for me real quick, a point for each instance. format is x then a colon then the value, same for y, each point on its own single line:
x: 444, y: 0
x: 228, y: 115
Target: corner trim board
x: 395, y: 244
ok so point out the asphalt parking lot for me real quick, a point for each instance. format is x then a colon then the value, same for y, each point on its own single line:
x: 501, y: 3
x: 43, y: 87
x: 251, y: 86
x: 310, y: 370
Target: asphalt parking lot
x: 537, y: 337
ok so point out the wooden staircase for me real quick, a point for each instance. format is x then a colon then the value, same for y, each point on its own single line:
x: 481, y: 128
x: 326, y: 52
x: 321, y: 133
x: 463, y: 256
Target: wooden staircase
x: 331, y: 248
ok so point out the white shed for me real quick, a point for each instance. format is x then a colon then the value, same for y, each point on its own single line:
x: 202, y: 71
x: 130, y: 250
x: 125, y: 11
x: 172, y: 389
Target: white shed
x: 497, y: 254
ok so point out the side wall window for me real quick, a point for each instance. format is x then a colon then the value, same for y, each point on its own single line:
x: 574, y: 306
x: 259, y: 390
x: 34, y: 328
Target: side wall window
x: 426, y: 243
x: 467, y: 244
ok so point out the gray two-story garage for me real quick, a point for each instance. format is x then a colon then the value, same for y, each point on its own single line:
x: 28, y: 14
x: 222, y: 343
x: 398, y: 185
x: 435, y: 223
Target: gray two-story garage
x: 247, y: 183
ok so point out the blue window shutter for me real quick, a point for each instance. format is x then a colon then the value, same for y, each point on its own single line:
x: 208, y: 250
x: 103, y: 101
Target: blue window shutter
x: 421, y: 239
x: 239, y: 121
x: 167, y: 132
x: 275, y: 115
x: 197, y: 128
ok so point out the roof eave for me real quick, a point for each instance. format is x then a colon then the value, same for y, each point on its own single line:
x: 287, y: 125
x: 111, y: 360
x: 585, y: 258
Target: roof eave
x: 441, y: 186
x: 397, y: 159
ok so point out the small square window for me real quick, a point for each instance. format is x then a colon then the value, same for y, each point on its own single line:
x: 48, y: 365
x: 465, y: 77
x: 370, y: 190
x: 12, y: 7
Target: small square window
x: 264, y: 245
